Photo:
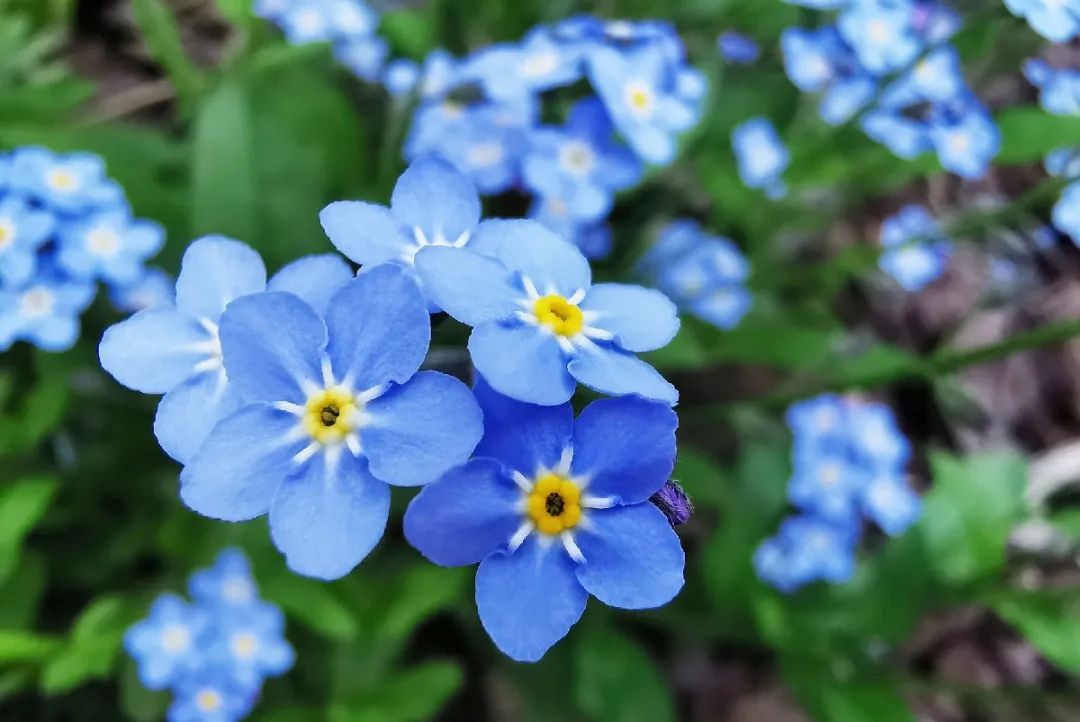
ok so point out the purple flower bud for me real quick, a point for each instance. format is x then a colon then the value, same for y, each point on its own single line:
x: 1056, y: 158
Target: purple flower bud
x: 674, y: 502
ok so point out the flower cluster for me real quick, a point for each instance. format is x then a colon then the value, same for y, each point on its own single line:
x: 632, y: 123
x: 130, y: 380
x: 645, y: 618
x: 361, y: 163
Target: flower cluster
x: 922, y: 106
x: 705, y: 274
x: 214, y: 653
x: 1056, y: 20
x: 64, y: 225
x: 1059, y: 94
x: 916, y: 253
x: 301, y: 398
x: 849, y: 459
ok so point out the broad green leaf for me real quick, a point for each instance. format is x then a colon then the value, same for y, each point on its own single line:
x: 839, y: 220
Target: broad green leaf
x: 409, y: 31
x: 424, y: 591
x: 162, y: 37
x: 705, y: 482
x: 616, y: 680
x: 831, y: 699
x: 1029, y: 132
x: 21, y: 593
x: 223, y: 191
x: 237, y: 12
x: 310, y: 602
x: 105, y: 620
x: 22, y: 505
x: 415, y: 694
x: 17, y: 646
x: 969, y: 513
x: 1050, y: 623
x: 137, y: 702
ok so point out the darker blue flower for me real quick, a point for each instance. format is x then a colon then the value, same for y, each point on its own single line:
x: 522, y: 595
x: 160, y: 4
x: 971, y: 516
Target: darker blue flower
x: 555, y: 510
x: 539, y: 325
x: 331, y: 413
x: 738, y: 48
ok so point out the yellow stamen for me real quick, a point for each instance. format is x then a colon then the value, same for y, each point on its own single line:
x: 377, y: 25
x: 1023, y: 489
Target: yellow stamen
x: 561, y: 316
x: 329, y: 417
x: 554, y: 504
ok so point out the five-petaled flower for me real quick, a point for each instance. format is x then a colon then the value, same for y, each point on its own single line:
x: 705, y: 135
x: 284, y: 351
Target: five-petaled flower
x: 556, y: 509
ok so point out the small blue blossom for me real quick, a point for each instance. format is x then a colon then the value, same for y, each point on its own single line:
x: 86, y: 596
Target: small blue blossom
x: 555, y: 510
x: 881, y: 34
x: 400, y: 77
x: 364, y: 56
x: 252, y: 643
x: 166, y: 644
x: 110, y: 245
x: 537, y: 64
x: 581, y: 162
x: 210, y: 697
x: 487, y: 146
x: 807, y: 549
x: 738, y: 48
x: 69, y: 184
x: 636, y: 88
x: 227, y: 583
x: 827, y: 485
x: 154, y: 288
x: 314, y: 21
x: 311, y: 386
x: 45, y: 310
x: 820, y: 60
x: 937, y: 78
x: 539, y: 325
x: 890, y: 503
x: 1065, y: 214
x: 761, y: 155
x: 23, y: 231
x: 924, y: 253
x: 934, y: 23
x: 1063, y: 162
x: 965, y: 137
x: 1056, y: 20
x: 1060, y: 89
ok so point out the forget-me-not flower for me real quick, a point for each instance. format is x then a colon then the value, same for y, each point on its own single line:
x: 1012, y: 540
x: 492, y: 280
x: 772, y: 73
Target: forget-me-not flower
x: 880, y: 33
x: 555, y: 510
x: 166, y: 644
x: 807, y: 549
x: 400, y: 76
x: 333, y: 412
x: 364, y: 56
x: 761, y: 155
x: 820, y: 60
x: 23, y: 231
x: 210, y: 696
x: 965, y: 136
x: 737, y: 48
x: 539, y: 325
x: 1066, y: 212
x: 154, y: 288
x: 1056, y: 20
x: 72, y: 184
x: 45, y: 310
x: 536, y: 64
x: 916, y: 253
x: 112, y: 246
x: 1059, y: 89
x: 228, y: 583
x: 251, y: 641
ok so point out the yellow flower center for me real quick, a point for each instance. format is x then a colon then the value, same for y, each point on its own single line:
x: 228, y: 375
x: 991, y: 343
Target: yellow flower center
x: 244, y: 645
x: 554, y: 504
x: 175, y: 639
x: 329, y: 415
x: 208, y: 700
x: 7, y: 233
x: 103, y: 242
x: 561, y: 316
x: 62, y: 180
x: 639, y: 97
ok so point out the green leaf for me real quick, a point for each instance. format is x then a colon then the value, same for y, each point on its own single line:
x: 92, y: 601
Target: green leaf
x: 411, y: 695
x: 22, y: 505
x: 755, y: 341
x: 411, y: 32
x: 617, y: 682
x: 829, y: 699
x: 18, y: 646
x: 223, y: 173
x: 137, y: 702
x: 424, y: 591
x: 705, y: 482
x: 162, y: 37
x: 238, y: 12
x: 310, y: 602
x: 1050, y: 623
x: 969, y: 513
x: 21, y: 593
x: 1067, y: 522
x: 1029, y: 132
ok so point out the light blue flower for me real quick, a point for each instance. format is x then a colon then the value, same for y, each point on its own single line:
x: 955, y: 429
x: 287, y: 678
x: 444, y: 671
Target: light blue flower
x: 876, y: 440
x: 888, y: 501
x: 934, y: 22
x: 400, y: 76
x: 924, y: 254
x: 905, y: 136
x: 365, y: 56
x: 45, y: 310
x: 555, y: 510
x: 772, y: 565
x: 539, y: 325
x: 537, y: 64
x: 314, y: 21
x: 595, y: 242
x: 250, y: 643
x: 1063, y: 162
x: 487, y: 145
x: 635, y: 87
x: 228, y: 583
x: 110, y: 245
x: 827, y: 485
x: 74, y: 183
x: 761, y: 155
x: 1060, y: 89
x: 333, y: 412
x: 737, y: 48
x: 817, y: 550
x: 818, y: 424
x: 166, y: 645
x: 880, y: 33
x: 23, y: 230
x: 937, y: 78
x: 154, y: 288
x: 439, y: 74
x: 1056, y: 20
x: 211, y: 696
x: 965, y: 136
x: 433, y: 204
x: 175, y: 349
x: 1065, y: 214
x: 580, y: 162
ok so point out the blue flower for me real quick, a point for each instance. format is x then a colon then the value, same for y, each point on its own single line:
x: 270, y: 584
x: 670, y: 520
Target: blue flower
x: 333, y: 412
x: 165, y: 645
x: 365, y: 56
x: 211, y: 696
x: 251, y: 642
x: 933, y: 22
x: 906, y: 137
x: 635, y: 87
x: 580, y: 162
x: 400, y: 77
x: 1063, y: 162
x: 595, y: 242
x: 539, y: 325
x: 965, y: 137
x: 487, y: 145
x: 110, y: 245
x: 827, y: 484
x: 1065, y: 215
x: 313, y: 21
x: 820, y: 60
x: 818, y: 423
x: 537, y: 64
x: 1060, y: 88
x: 439, y: 74
x: 807, y: 549
x: 876, y: 440
x: 924, y: 253
x: 154, y: 288
x: 1056, y: 20
x: 433, y: 204
x: 880, y: 33
x: 73, y: 183
x: 937, y: 78
x: 761, y: 155
x: 556, y: 509
x: 738, y: 48
x: 226, y: 584
x: 175, y: 349
x: 890, y: 503
x: 23, y: 230
x: 45, y: 310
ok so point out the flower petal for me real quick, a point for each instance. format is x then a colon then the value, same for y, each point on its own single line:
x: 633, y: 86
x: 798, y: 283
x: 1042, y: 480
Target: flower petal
x: 437, y: 197
x: 272, y: 344
x: 239, y: 467
x: 465, y: 515
x: 216, y: 270
x: 379, y: 328
x: 326, y: 518
x: 626, y: 446
x: 416, y: 432
x: 633, y: 559
x: 153, y: 351
x: 368, y: 234
x: 525, y: 437
x: 472, y: 288
x: 523, y: 362
x: 643, y: 318
x: 315, y: 279
x: 610, y: 370
x: 188, y: 413
x: 530, y: 599
x: 528, y: 247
